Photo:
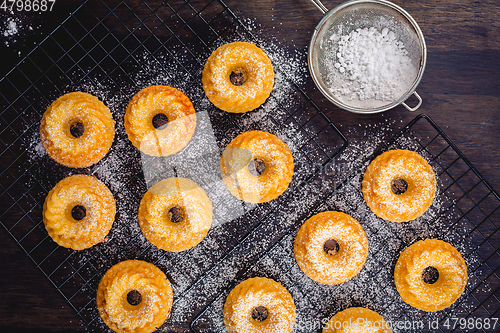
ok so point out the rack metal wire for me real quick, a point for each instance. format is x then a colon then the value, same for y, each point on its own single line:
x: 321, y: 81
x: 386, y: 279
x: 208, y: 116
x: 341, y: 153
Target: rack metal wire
x: 113, y: 49
x: 105, y: 44
x: 466, y: 213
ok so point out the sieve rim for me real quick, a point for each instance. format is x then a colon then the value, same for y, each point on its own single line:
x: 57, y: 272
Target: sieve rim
x: 313, y: 70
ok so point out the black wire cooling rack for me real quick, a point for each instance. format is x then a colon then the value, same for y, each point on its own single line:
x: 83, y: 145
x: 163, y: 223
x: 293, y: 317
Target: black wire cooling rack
x: 120, y: 47
x: 465, y: 213
x: 113, y: 49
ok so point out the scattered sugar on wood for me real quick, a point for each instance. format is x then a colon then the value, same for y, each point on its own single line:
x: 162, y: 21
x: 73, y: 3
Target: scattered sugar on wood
x: 197, y: 277
x: 13, y: 27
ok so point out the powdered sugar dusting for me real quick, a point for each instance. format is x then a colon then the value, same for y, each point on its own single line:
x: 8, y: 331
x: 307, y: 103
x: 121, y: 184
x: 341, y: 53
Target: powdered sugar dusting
x: 310, y: 247
x: 315, y: 302
x: 376, y: 65
x: 368, y: 57
x: 128, y: 174
x: 12, y: 28
x: 248, y: 240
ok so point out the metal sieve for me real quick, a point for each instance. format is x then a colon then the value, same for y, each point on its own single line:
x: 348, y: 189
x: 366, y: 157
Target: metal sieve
x: 363, y: 14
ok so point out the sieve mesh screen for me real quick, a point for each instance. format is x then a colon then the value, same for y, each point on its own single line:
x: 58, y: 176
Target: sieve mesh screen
x: 363, y: 15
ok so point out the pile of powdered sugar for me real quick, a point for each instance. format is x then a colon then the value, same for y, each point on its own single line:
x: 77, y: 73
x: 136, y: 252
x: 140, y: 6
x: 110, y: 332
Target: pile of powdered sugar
x: 12, y: 28
x: 376, y: 64
x: 369, y: 60
x: 233, y: 250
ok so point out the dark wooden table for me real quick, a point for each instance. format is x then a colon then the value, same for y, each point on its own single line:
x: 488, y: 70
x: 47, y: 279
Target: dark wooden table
x: 460, y: 88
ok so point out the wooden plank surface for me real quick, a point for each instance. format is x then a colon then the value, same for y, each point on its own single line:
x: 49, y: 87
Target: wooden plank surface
x: 460, y: 88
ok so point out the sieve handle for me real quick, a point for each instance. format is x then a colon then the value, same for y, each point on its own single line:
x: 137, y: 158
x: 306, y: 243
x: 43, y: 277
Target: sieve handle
x: 418, y: 105
x: 320, y: 6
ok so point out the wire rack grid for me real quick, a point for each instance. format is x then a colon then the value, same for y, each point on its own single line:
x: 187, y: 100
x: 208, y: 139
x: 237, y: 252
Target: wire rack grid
x: 466, y: 213
x: 113, y: 49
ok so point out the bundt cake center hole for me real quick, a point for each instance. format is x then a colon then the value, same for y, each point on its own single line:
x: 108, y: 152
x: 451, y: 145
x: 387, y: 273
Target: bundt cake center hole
x: 77, y: 129
x: 160, y: 121
x: 331, y: 247
x: 430, y: 275
x: 134, y: 297
x: 257, y: 167
x: 175, y: 214
x: 78, y: 212
x: 399, y: 186
x: 260, y: 313
x: 238, y: 77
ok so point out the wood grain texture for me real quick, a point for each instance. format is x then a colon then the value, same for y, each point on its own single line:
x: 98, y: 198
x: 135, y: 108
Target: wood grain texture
x: 460, y: 89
